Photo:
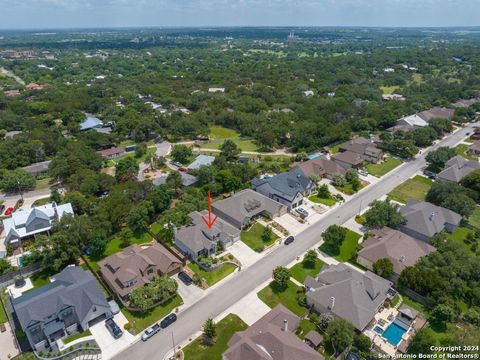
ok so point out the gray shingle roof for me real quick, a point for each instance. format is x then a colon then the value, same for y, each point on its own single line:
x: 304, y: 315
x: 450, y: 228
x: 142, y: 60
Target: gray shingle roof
x: 356, y: 297
x: 287, y: 185
x: 456, y: 168
x: 200, y: 161
x: 37, y: 167
x: 73, y: 287
x: 427, y: 219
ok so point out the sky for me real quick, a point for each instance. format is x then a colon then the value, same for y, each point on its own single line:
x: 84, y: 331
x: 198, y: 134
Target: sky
x: 35, y: 14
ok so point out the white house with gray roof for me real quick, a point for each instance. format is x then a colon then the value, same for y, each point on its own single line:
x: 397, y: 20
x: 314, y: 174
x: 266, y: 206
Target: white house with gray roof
x: 245, y: 206
x: 71, y: 303
x: 425, y: 220
x: 39, y: 219
x: 197, y: 240
x: 347, y: 293
x: 288, y: 188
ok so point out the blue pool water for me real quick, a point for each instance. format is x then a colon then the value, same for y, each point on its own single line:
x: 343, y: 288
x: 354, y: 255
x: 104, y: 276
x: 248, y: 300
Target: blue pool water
x: 394, y: 333
x: 314, y: 156
x: 378, y: 330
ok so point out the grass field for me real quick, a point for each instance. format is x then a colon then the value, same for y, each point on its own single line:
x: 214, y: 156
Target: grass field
x: 325, y: 201
x: 76, y: 336
x: 389, y: 89
x: 142, y: 320
x: 243, y: 144
x: 226, y: 327
x: 348, y: 189
x: 461, y: 150
x: 383, y: 168
x: 219, y: 132
x: 459, y: 235
x: 253, y: 237
x: 415, y: 188
x: 348, y: 248
x: 300, y: 271
x: 304, y: 327
x: 42, y: 183
x: 3, y: 315
x: 212, y: 277
x: 272, y: 296
x: 474, y: 218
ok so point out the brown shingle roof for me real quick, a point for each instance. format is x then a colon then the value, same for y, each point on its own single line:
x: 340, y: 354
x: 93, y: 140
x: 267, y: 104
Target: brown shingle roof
x: 111, y: 151
x: 348, y: 157
x: 320, y: 166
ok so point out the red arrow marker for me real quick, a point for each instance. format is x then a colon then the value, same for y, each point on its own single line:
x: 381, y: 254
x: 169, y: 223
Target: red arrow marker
x: 209, y: 222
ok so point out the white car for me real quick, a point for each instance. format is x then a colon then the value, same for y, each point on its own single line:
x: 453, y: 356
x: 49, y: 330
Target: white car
x: 363, y: 172
x: 302, y: 212
x: 152, y: 330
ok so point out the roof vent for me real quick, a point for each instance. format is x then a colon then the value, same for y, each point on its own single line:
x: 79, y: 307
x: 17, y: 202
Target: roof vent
x: 402, y: 258
x: 432, y: 215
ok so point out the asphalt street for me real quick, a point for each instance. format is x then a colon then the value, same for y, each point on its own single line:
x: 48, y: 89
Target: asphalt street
x: 241, y: 283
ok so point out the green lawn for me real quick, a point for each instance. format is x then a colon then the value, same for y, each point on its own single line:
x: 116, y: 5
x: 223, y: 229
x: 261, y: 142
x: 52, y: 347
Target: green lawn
x: 325, y: 201
x: 272, y: 296
x: 212, y: 277
x: 41, y: 278
x: 41, y: 202
x: 461, y: 150
x: 43, y: 183
x: 384, y: 167
x: 348, y: 189
x: 474, y: 219
x: 415, y: 188
x: 300, y: 271
x: 3, y: 315
x: 243, y: 144
x: 76, y: 336
x: 348, y: 248
x: 219, y: 132
x: 304, y: 327
x: 459, y: 235
x: 225, y: 330
x: 142, y: 320
x: 389, y: 89
x: 253, y: 237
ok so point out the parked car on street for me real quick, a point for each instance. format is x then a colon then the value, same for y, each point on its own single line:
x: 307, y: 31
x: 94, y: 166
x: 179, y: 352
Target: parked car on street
x: 169, y: 320
x: 152, y: 330
x: 289, y: 240
x: 186, y: 279
x: 113, y: 328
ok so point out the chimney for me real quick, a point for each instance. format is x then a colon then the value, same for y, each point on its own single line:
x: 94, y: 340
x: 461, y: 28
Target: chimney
x: 285, y: 325
x: 332, y: 303
x: 432, y: 215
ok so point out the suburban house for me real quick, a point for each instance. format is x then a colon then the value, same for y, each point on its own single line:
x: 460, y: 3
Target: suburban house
x: 401, y: 127
x: 112, y: 153
x: 90, y: 122
x: 216, y: 90
x: 363, y: 147
x: 425, y: 220
x: 197, y: 240
x: 388, y: 97
x: 137, y: 266
x: 39, y: 219
x: 437, y: 113
x: 347, y: 293
x: 348, y: 159
x: 187, y: 179
x: 474, y: 149
x: 271, y: 338
x: 245, y: 206
x: 39, y: 168
x: 413, y: 120
x: 464, y: 103
x: 321, y: 167
x: 71, y: 303
x: 386, y: 243
x: 456, y: 168
x: 287, y: 188
x: 201, y: 160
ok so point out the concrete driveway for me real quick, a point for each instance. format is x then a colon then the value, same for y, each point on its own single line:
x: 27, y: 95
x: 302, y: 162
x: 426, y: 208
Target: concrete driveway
x: 8, y: 345
x: 189, y: 293
x: 244, y: 253
x: 110, y: 346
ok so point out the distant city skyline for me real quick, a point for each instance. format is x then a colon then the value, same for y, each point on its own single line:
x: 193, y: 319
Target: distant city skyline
x: 50, y: 14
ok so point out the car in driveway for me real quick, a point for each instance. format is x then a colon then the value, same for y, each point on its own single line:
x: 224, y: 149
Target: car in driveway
x: 113, y: 328
x: 169, y: 320
x: 114, y: 308
x: 9, y: 211
x: 363, y: 172
x: 177, y: 164
x: 289, y: 240
x: 152, y: 330
x: 301, y: 212
x: 186, y: 279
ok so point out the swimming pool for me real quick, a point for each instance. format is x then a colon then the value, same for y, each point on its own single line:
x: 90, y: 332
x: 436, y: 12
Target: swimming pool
x: 314, y: 156
x: 394, y: 333
x: 378, y: 330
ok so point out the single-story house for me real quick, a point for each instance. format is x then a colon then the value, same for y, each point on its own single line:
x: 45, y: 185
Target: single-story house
x: 364, y: 147
x: 38, y: 219
x: 463, y: 103
x: 474, y: 149
x: 287, y: 188
x: 71, y: 303
x: 39, y: 168
x: 201, y: 160
x: 457, y: 168
x: 245, y: 206
x: 348, y: 159
x: 112, y: 153
x: 90, y: 122
x: 388, y: 97
x: 197, y: 240
x: 401, y: 127
x: 413, y: 120
x: 216, y: 90
x: 425, y: 220
x: 347, y: 293
x: 137, y: 266
x: 187, y: 179
x: 271, y: 338
x: 437, y: 113
x: 321, y: 167
x: 386, y: 243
